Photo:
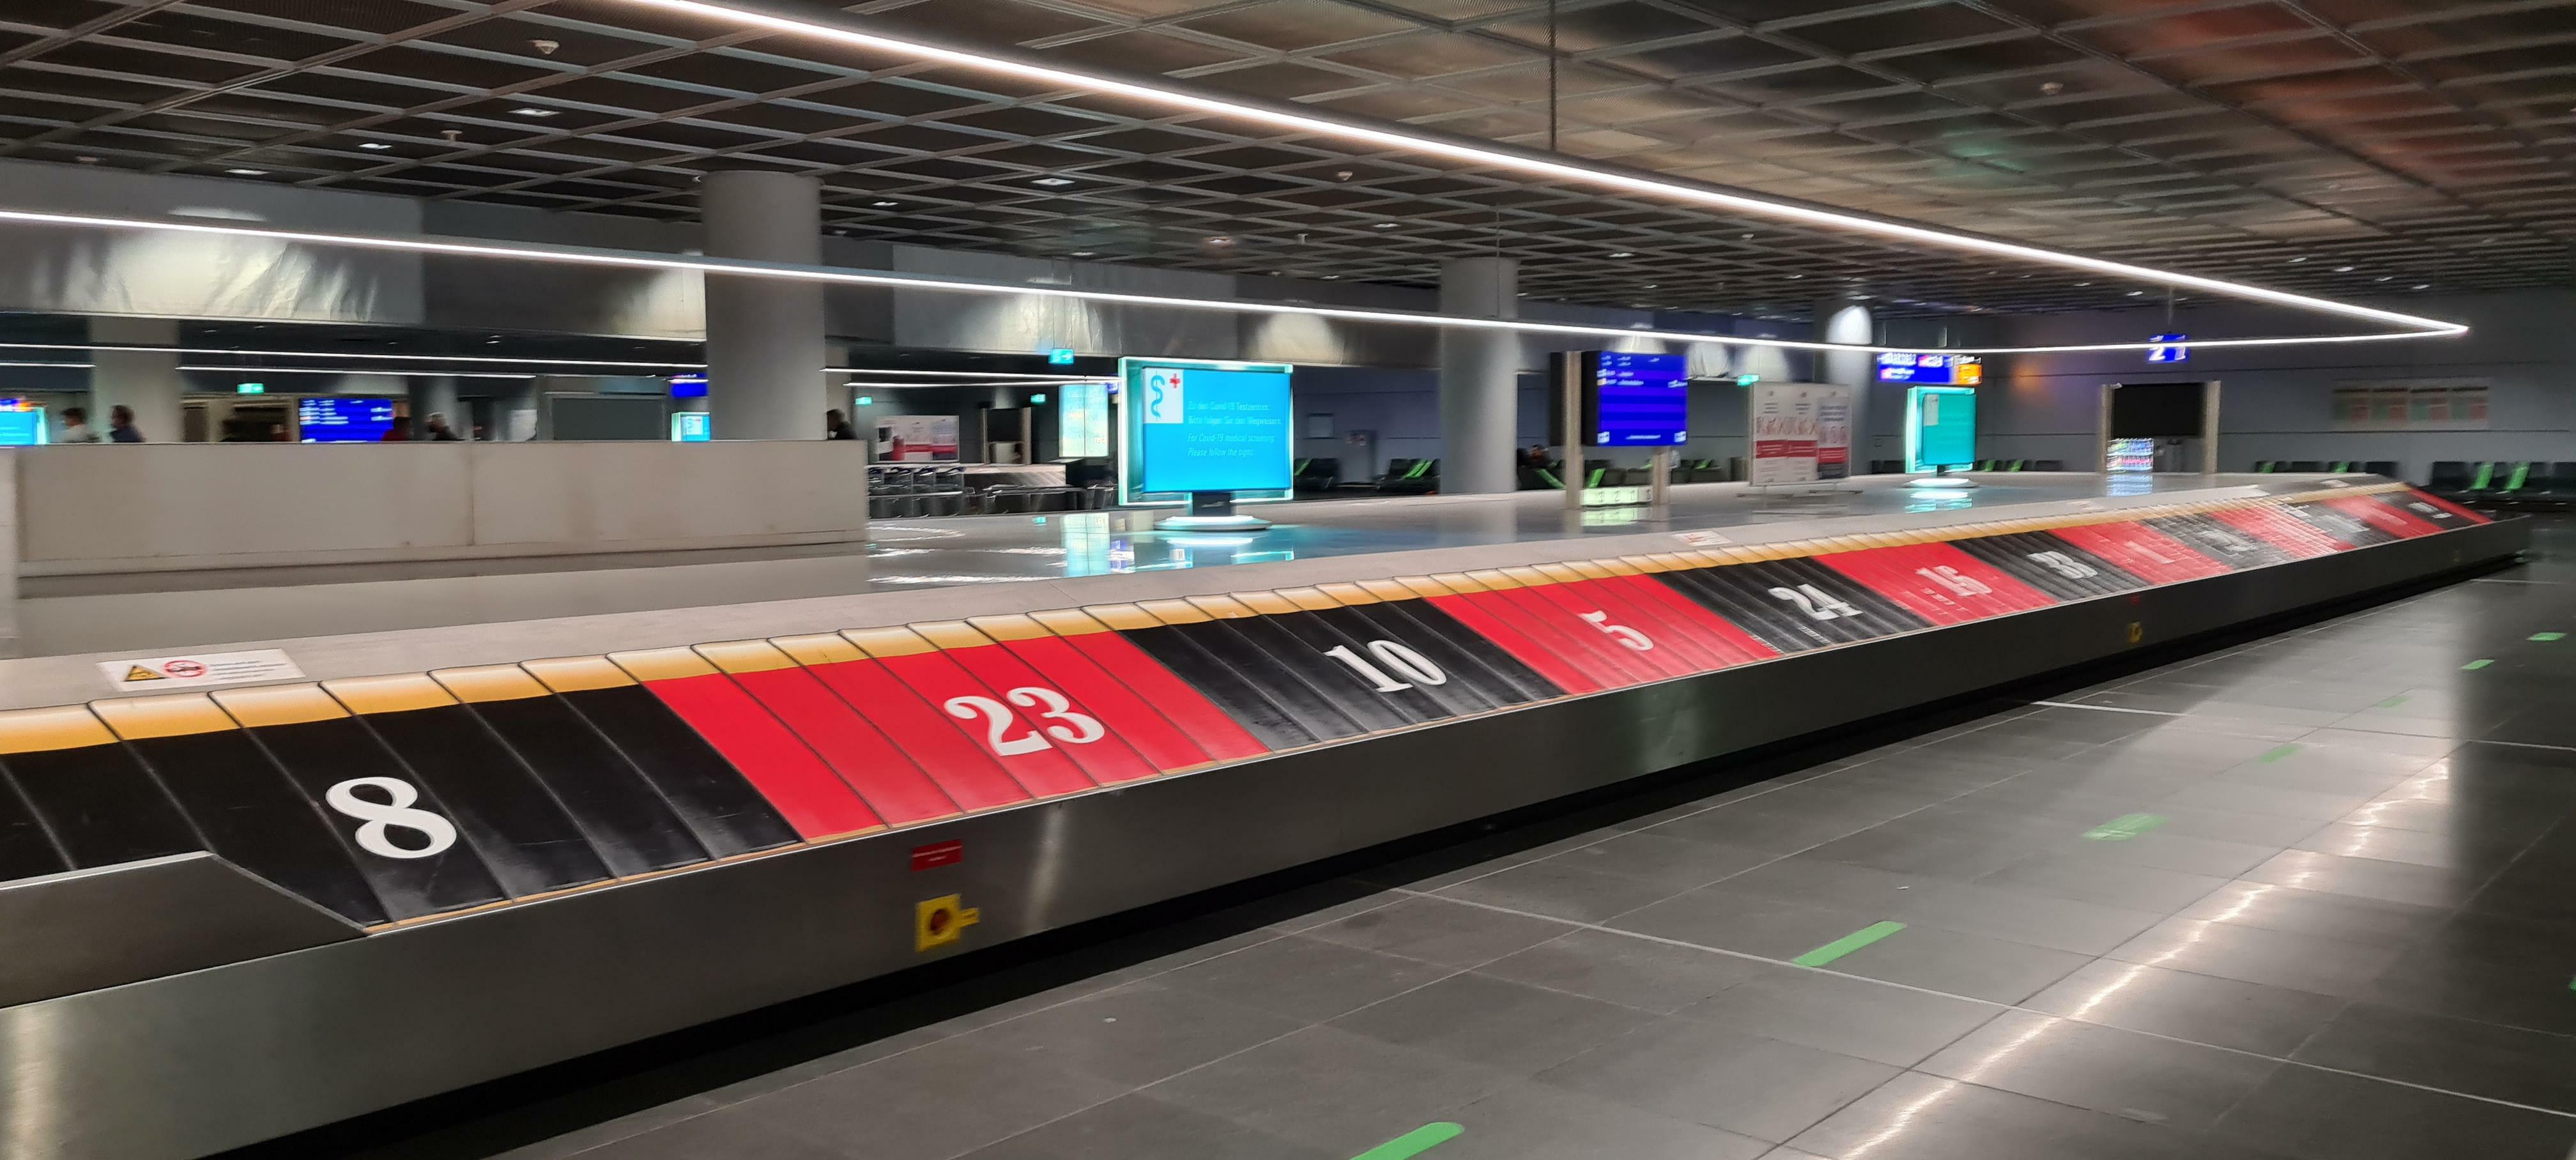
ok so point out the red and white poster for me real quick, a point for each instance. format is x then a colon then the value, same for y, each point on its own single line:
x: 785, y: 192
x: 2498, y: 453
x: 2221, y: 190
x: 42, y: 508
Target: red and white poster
x: 917, y: 439
x: 1800, y: 433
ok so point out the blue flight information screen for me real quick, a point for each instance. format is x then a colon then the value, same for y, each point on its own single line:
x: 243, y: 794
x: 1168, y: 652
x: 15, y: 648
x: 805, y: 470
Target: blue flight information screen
x: 1211, y: 427
x: 335, y: 419
x: 1636, y: 400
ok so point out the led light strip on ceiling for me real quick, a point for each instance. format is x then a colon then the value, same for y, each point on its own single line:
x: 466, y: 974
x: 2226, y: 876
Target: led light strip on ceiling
x: 885, y: 373
x: 1540, y: 165
x: 833, y: 275
x: 380, y: 372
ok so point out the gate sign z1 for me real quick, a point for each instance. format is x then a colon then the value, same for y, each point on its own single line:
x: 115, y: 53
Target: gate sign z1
x: 2169, y: 348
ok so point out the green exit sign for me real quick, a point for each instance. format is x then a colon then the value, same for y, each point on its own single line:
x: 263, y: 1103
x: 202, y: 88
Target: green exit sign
x: 1747, y: 380
x: 250, y: 388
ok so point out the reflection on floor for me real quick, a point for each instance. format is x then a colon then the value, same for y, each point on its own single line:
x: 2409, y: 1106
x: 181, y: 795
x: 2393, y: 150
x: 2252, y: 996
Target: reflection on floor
x: 2306, y: 897
x: 136, y: 610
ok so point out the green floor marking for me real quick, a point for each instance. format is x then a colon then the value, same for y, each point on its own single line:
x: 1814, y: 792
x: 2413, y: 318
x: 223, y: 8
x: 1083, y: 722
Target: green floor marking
x: 1415, y: 1142
x: 2475, y: 665
x: 2277, y: 753
x: 2390, y: 703
x: 2546, y: 637
x: 2125, y: 827
x: 1848, y: 943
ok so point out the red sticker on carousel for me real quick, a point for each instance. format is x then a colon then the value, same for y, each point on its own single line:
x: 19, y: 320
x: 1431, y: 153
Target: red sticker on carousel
x: 938, y: 854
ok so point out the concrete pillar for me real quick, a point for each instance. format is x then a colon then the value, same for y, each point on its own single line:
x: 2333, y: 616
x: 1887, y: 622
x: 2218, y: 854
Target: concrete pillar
x: 436, y: 395
x: 149, y: 382
x: 1842, y: 320
x: 1479, y: 378
x: 765, y: 350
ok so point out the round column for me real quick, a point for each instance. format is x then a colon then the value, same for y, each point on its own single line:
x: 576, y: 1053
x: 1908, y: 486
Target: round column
x: 765, y: 350
x: 1479, y: 378
x: 148, y: 382
x: 1842, y: 320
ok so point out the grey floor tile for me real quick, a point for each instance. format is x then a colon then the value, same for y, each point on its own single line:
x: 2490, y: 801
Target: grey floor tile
x: 1440, y: 931
x: 1873, y: 1021
x: 2020, y: 916
x: 2481, y: 1059
x: 2087, y: 879
x: 2170, y: 848
x: 2317, y: 1115
x: 2343, y: 917
x: 2254, y: 955
x: 1304, y: 978
x: 2370, y: 878
x: 1632, y: 972
x: 1672, y: 862
x: 1961, y: 964
x: 1134, y: 1034
x: 1494, y: 1022
x: 1922, y: 1117
x: 1330, y: 1089
x: 1559, y: 889
x: 1531, y: 1121
x: 927, y: 1104
x: 2140, y: 1077
x: 2249, y: 797
x: 1722, y: 916
x: 2199, y: 1008
x: 735, y: 1134
x: 1139, y: 1126
x: 610, y: 1131
x: 1759, y: 1087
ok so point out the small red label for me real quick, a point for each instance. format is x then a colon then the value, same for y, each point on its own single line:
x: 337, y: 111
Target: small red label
x: 938, y: 854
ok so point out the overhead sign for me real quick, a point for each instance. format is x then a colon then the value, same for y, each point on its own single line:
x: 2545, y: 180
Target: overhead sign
x: 1635, y: 400
x: 343, y: 419
x: 2169, y: 348
x: 1060, y: 356
x: 250, y: 388
x: 159, y: 674
x: 1963, y: 370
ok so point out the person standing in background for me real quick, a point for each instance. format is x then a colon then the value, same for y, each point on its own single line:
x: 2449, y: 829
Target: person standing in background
x: 837, y: 426
x: 439, y: 431
x: 120, y: 425
x: 76, y: 426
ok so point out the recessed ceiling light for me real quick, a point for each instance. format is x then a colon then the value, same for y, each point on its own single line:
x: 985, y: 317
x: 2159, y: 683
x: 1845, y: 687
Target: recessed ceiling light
x: 1084, y: 253
x: 2385, y: 278
x: 2343, y: 269
x: 533, y: 111
x: 2296, y: 261
x: 2136, y: 293
x: 2423, y: 285
x: 247, y: 172
x: 1797, y: 275
x: 1383, y: 226
x: 1647, y: 286
x: 373, y: 145
x: 883, y: 204
x: 2083, y: 283
x: 1332, y: 277
x: 1622, y: 254
x: 1220, y: 241
x: 1053, y: 181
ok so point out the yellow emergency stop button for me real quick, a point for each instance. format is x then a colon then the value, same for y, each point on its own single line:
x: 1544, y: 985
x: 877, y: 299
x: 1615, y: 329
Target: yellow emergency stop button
x: 938, y: 922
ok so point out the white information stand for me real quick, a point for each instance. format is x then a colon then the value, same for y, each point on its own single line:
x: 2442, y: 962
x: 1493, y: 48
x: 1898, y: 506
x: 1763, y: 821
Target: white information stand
x: 1798, y: 434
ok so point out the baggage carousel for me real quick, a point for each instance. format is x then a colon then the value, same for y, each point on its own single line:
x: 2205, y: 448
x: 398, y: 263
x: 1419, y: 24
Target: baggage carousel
x: 240, y: 912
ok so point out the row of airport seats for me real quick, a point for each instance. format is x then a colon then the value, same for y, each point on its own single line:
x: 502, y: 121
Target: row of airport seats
x: 2384, y: 467
x: 2523, y: 484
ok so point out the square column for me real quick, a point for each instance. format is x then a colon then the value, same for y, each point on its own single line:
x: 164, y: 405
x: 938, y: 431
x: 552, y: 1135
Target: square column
x: 1479, y: 378
x: 765, y: 350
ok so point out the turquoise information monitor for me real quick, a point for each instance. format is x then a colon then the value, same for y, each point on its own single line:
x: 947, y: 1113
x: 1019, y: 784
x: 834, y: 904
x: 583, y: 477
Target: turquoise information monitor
x: 1199, y: 426
x: 1940, y: 427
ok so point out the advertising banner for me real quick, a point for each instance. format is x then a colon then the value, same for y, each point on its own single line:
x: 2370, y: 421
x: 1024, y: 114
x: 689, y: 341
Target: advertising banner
x: 917, y: 439
x: 1800, y: 432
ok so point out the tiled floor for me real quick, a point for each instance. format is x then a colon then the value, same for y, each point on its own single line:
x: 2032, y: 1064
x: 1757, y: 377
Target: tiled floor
x: 2308, y: 897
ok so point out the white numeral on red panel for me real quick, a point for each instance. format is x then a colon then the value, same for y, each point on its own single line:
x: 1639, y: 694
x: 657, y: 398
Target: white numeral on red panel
x: 1074, y: 728
x: 1951, y: 578
x: 1394, y: 656
x: 1618, y: 632
x: 1817, y: 603
x: 394, y: 811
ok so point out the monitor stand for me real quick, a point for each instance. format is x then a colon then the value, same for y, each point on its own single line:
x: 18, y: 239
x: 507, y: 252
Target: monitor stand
x: 1212, y: 511
x: 1942, y: 480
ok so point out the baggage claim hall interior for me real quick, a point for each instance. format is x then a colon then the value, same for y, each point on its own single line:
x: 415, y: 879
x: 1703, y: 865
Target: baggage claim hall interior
x: 1287, y: 580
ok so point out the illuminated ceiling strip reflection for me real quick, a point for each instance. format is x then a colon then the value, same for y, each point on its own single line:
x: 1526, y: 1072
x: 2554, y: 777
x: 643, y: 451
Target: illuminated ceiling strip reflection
x: 1541, y: 165
x: 832, y: 275
x: 380, y: 372
x: 216, y: 352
